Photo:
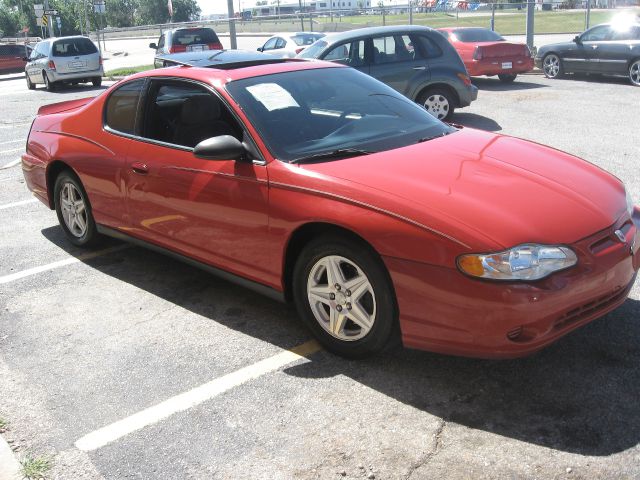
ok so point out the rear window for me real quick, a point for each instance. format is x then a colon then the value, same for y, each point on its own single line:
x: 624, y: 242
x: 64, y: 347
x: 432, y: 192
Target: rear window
x: 73, y: 47
x: 477, y: 35
x: 306, y: 39
x: 195, y: 36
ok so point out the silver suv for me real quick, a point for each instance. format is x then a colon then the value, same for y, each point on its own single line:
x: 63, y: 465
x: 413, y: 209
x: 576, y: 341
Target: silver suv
x: 64, y: 60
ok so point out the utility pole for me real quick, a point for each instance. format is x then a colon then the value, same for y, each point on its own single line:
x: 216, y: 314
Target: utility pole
x: 410, y: 12
x: 232, y: 25
x: 530, y: 13
x: 588, y: 15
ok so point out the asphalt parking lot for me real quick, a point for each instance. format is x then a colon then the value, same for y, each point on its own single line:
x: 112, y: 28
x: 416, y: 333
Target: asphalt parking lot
x: 122, y: 363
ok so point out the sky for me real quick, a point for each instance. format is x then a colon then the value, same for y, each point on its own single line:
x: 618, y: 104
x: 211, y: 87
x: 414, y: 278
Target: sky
x: 220, y: 6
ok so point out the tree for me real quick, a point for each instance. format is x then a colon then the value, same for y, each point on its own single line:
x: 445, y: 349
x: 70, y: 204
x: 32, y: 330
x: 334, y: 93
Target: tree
x: 155, y: 11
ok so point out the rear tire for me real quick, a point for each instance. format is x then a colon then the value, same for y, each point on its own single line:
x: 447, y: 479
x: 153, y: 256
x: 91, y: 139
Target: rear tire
x: 74, y: 210
x: 48, y: 84
x: 506, y: 78
x: 96, y: 81
x: 634, y: 73
x: 438, y: 102
x: 343, y: 293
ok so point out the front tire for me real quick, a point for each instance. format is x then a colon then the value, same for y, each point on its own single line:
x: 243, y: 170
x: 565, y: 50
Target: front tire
x: 343, y: 293
x: 634, y: 73
x: 506, y: 78
x: 552, y: 66
x: 74, y: 210
x: 438, y: 102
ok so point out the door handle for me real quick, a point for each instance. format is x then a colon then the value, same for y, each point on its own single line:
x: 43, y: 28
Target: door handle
x: 419, y: 68
x: 140, y: 168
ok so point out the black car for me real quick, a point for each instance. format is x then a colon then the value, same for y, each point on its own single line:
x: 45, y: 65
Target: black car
x: 609, y: 49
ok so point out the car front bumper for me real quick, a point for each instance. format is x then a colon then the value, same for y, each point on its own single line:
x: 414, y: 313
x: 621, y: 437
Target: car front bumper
x: 445, y: 311
x: 85, y: 75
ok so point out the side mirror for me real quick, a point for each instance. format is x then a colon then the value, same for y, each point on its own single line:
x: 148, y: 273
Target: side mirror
x: 223, y: 147
x: 260, y: 49
x: 577, y: 40
x: 153, y: 45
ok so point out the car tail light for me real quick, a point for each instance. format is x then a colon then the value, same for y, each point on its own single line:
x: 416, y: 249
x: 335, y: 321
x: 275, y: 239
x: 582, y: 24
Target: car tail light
x: 178, y: 49
x: 477, y: 54
x: 52, y: 65
x: 215, y: 46
x: 100, y: 60
x: 298, y: 50
x: 465, y: 79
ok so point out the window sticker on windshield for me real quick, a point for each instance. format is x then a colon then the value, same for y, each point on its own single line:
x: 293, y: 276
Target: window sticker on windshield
x: 272, y: 96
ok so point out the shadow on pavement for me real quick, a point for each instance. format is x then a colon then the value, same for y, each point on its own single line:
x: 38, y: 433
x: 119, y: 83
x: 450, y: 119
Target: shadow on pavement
x: 474, y: 120
x: 495, y: 85
x: 579, y: 395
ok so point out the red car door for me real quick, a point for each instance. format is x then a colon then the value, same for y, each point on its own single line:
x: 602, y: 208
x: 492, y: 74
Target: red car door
x: 213, y: 210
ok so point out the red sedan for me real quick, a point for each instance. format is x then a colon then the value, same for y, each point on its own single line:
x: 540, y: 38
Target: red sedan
x: 484, y: 52
x: 315, y: 183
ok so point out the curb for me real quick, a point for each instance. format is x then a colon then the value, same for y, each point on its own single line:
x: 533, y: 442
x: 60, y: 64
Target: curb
x: 9, y: 466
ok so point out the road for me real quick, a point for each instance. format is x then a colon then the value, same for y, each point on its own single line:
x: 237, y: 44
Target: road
x: 88, y: 342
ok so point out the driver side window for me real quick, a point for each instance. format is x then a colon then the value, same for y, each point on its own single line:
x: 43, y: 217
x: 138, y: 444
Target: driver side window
x: 270, y: 45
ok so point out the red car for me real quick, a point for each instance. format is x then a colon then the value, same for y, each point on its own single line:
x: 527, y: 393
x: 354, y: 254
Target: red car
x: 12, y: 57
x: 315, y: 183
x: 484, y: 52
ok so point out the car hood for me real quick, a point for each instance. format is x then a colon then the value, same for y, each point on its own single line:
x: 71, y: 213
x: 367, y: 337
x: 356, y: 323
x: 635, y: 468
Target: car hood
x: 484, y: 190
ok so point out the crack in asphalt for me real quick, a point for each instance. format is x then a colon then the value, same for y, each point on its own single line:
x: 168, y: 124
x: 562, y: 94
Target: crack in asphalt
x: 428, y: 456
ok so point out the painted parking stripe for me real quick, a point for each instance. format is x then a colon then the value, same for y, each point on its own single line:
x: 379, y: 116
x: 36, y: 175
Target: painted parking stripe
x: 17, y: 204
x: 15, y: 125
x: 11, y: 164
x: 13, y: 150
x: 60, y: 263
x: 13, y: 141
x: 191, y: 398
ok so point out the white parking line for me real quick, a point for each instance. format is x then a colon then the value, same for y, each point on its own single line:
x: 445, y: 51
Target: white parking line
x: 60, y: 263
x: 198, y: 395
x: 13, y: 141
x: 15, y: 125
x: 17, y: 204
x: 11, y: 164
x: 13, y: 150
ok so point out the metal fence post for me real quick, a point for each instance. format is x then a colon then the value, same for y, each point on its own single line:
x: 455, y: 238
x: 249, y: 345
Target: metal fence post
x: 410, y: 12
x: 493, y: 17
x: 588, y: 15
x: 232, y: 25
x: 530, y: 13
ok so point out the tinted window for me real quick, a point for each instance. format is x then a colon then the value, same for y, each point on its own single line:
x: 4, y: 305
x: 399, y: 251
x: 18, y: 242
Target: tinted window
x: 73, y: 47
x: 597, y: 34
x: 4, y: 49
x: 194, y: 36
x: 308, y: 112
x: 305, y: 38
x: 122, y: 106
x: 427, y: 48
x: 476, y: 35
x: 161, y: 42
x: 351, y: 54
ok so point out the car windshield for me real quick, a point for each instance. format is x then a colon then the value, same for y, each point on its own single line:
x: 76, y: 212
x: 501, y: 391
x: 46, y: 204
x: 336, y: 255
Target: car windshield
x: 72, y: 47
x: 195, y: 36
x: 307, y: 113
x: 306, y: 38
x: 314, y: 50
x: 477, y: 35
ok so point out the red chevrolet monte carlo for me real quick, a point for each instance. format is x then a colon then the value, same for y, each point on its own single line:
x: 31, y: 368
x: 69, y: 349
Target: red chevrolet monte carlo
x: 484, y: 52
x: 315, y: 183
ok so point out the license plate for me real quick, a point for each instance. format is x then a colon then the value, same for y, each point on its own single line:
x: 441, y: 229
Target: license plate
x: 197, y: 48
x: 507, y: 65
x: 76, y: 64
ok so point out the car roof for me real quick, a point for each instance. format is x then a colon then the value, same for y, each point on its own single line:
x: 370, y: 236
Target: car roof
x: 372, y: 31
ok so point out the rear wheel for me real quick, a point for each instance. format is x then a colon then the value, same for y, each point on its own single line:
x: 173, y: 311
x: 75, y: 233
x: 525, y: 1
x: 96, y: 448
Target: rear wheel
x: 48, y: 84
x: 552, y: 66
x: 506, y: 78
x: 438, y: 102
x: 343, y: 293
x: 96, y: 81
x: 74, y: 210
x: 30, y: 84
x: 634, y: 73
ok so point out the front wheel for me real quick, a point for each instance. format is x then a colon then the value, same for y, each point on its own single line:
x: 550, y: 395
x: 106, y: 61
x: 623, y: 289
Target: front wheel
x: 74, y: 210
x: 634, y: 73
x: 552, y: 66
x: 343, y: 293
x: 506, y: 78
x: 438, y: 102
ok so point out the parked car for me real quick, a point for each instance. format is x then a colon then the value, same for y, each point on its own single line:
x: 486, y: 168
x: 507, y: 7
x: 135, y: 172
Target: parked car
x: 416, y: 61
x: 315, y: 183
x: 72, y: 60
x: 610, y: 49
x: 179, y: 40
x: 12, y: 57
x: 485, y: 52
x: 289, y: 44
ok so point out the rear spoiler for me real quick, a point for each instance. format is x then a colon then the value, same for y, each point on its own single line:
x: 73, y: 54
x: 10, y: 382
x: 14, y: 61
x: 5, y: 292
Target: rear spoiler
x: 63, y: 106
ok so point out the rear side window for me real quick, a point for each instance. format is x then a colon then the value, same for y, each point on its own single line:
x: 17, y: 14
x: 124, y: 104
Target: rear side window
x: 122, y: 106
x: 73, y: 47
x: 195, y: 36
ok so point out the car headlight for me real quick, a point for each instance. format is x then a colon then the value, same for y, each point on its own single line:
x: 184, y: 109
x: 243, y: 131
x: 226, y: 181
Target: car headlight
x: 524, y: 262
x: 630, y: 205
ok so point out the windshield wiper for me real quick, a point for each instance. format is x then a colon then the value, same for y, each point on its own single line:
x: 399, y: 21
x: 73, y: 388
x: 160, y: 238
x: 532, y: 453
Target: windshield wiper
x: 333, y: 154
x: 426, y: 139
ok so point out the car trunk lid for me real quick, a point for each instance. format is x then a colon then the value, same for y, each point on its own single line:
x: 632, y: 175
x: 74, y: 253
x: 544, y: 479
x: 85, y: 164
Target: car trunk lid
x: 500, y: 49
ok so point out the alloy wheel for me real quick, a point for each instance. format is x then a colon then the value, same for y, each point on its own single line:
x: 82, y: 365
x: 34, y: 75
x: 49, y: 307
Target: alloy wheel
x: 551, y: 65
x: 74, y: 211
x: 341, y: 298
x: 634, y: 73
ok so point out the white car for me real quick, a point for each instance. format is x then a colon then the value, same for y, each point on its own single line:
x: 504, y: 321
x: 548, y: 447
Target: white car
x: 64, y: 60
x: 288, y: 45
